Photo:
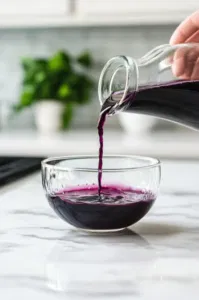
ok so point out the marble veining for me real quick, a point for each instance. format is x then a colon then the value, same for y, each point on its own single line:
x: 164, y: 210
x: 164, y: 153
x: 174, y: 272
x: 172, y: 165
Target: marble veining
x: 41, y: 257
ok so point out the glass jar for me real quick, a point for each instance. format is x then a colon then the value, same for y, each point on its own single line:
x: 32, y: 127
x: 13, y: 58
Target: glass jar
x: 163, y: 83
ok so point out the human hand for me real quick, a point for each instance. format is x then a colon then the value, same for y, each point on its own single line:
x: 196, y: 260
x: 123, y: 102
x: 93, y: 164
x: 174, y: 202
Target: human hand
x: 185, y: 62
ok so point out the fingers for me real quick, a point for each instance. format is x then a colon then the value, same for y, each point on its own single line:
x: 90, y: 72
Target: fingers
x: 186, y: 30
x: 185, y: 63
x: 194, y: 38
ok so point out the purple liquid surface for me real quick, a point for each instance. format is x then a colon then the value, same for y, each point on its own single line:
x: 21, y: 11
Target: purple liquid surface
x: 117, y: 207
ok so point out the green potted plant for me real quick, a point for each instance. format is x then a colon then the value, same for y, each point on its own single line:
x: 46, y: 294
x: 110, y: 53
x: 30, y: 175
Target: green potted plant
x: 54, y: 86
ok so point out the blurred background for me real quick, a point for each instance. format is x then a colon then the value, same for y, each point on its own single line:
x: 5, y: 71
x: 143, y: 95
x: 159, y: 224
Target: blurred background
x: 52, y: 52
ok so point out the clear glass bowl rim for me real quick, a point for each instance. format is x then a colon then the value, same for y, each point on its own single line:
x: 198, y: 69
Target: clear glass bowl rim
x: 150, y: 163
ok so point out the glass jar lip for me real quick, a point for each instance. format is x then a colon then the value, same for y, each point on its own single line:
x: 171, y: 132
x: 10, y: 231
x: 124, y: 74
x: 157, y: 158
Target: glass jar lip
x: 150, y: 163
x: 127, y: 62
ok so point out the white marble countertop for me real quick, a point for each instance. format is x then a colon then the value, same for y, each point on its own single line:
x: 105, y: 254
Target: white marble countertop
x: 166, y: 144
x: 41, y: 257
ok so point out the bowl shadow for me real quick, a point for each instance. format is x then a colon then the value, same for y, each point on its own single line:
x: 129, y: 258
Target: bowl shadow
x: 126, y: 235
x: 158, y: 228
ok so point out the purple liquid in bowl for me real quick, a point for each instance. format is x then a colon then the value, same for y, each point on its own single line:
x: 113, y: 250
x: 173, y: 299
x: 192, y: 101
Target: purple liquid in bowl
x: 117, y: 207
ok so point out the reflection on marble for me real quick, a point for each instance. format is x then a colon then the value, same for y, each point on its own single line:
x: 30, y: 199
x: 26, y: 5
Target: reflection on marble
x: 91, y: 265
x: 41, y: 257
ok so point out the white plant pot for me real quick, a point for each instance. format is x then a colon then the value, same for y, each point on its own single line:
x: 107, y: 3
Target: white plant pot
x: 48, y: 115
x: 136, y: 124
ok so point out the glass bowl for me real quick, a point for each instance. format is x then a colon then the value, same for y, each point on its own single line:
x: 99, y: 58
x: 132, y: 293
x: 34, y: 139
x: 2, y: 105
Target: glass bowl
x: 129, y: 188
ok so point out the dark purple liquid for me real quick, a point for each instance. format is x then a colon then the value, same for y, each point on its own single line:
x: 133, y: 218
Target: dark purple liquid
x: 100, y: 128
x: 175, y: 101
x: 118, y: 207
